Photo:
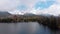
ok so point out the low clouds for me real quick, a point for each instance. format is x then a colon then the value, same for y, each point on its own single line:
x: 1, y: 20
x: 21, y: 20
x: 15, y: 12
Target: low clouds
x: 52, y: 10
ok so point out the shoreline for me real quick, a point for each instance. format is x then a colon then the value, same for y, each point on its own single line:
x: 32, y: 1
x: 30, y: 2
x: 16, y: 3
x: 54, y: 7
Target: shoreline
x: 51, y: 21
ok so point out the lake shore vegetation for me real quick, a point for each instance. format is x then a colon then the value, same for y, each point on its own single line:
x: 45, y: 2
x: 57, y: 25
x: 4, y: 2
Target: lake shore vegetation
x: 50, y: 21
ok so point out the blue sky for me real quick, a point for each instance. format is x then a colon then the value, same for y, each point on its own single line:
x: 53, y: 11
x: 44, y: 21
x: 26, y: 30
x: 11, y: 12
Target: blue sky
x: 39, y: 4
x: 43, y: 5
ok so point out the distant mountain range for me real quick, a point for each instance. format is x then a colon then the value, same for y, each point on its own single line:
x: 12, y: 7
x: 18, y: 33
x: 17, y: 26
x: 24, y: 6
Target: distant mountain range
x: 4, y: 14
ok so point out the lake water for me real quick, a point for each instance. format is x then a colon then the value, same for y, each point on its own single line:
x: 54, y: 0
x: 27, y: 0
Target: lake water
x: 25, y: 28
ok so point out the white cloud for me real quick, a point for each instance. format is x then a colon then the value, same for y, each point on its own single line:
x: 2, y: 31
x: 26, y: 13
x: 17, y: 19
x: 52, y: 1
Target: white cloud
x: 11, y: 5
x: 16, y: 12
x: 52, y: 10
x: 58, y: 1
x: 6, y: 5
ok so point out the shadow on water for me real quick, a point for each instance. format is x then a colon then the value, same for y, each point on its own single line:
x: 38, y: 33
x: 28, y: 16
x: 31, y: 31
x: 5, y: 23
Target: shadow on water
x: 51, y: 29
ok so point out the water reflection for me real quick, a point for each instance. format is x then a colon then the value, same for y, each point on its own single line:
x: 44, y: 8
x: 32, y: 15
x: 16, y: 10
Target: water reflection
x: 25, y: 28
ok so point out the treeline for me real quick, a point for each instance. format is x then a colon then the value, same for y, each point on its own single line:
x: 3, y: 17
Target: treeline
x: 51, y: 21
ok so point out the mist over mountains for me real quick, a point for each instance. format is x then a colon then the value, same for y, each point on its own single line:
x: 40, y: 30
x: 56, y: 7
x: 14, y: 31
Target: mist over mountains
x: 7, y: 14
x: 4, y: 14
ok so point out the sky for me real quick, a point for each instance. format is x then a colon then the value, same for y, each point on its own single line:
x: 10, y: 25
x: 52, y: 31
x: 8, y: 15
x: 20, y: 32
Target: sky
x: 37, y: 7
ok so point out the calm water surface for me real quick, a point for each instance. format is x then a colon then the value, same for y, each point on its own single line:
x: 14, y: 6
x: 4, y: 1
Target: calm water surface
x: 25, y: 28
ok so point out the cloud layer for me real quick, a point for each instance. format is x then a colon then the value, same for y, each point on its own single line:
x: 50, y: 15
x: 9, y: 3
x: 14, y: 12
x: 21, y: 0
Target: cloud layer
x: 6, y: 5
x: 45, y: 6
